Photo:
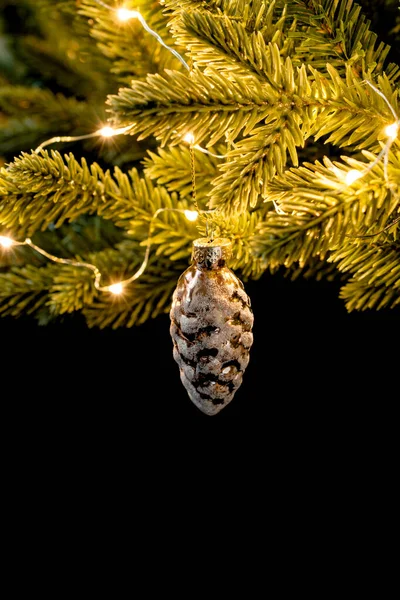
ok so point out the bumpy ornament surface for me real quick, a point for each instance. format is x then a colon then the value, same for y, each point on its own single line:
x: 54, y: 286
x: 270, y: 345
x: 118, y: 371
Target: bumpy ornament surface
x: 211, y: 323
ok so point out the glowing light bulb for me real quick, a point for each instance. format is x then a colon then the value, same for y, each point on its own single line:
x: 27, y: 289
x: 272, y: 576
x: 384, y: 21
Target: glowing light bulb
x: 189, y: 138
x: 392, y: 130
x: 116, y: 288
x: 352, y: 176
x: 6, y: 242
x: 107, y: 132
x: 191, y: 215
x: 124, y: 14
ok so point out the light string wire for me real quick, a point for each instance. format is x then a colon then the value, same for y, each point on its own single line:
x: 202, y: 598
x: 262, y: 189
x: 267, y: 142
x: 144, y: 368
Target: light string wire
x: 126, y: 14
x: 105, y: 132
x: 194, y: 190
x: 115, y: 288
x: 206, y: 151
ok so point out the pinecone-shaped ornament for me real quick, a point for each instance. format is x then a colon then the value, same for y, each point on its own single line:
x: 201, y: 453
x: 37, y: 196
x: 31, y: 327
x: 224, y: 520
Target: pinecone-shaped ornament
x: 211, y: 323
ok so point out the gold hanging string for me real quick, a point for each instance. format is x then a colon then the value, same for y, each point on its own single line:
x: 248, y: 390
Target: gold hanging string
x: 209, y: 231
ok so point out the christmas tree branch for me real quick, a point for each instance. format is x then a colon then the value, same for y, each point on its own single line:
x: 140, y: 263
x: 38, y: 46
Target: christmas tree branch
x: 311, y: 223
x: 38, y: 190
x: 131, y: 51
x: 313, y: 32
x: 375, y: 269
x: 171, y: 167
x: 61, y: 50
x: 23, y: 290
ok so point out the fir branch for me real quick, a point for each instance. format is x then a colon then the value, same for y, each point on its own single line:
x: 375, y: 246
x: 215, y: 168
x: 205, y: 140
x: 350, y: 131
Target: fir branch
x: 375, y: 269
x: 146, y: 298
x: 23, y: 290
x: 171, y: 167
x: 43, y: 104
x: 162, y: 106
x: 255, y: 160
x: 313, y: 32
x: 241, y: 229
x: 229, y: 46
x: 338, y: 29
x: 291, y: 107
x: 131, y: 52
x: 72, y: 287
x: 345, y: 109
x: 32, y: 114
x: 62, y: 289
x: 42, y: 190
x: 171, y: 233
x: 311, y: 222
x: 21, y: 133
x: 224, y: 105
x: 354, y: 115
x: 39, y: 190
x: 314, y: 269
x: 61, y: 51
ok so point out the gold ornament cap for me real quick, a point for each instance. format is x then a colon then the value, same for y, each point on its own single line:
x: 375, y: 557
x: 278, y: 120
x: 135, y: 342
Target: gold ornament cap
x: 213, y: 254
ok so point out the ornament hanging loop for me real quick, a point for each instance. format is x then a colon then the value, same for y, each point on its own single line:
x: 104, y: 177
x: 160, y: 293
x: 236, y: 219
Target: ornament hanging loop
x: 209, y: 231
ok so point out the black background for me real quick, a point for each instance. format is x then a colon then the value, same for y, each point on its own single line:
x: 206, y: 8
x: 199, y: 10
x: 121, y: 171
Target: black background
x: 313, y: 367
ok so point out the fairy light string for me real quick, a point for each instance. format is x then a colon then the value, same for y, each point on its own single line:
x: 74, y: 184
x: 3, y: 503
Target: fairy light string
x: 206, y: 151
x: 105, y: 132
x: 109, y: 132
x: 116, y: 288
x: 125, y: 14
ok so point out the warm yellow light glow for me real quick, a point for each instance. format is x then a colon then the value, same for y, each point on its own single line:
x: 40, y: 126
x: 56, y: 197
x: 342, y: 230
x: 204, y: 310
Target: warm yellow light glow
x: 124, y: 14
x: 352, y: 176
x: 107, y: 132
x: 191, y: 215
x: 189, y: 138
x: 116, y: 288
x: 392, y: 130
x: 6, y: 242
